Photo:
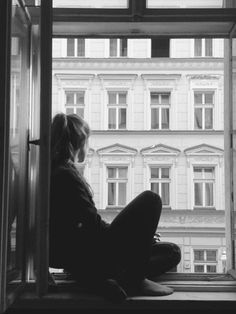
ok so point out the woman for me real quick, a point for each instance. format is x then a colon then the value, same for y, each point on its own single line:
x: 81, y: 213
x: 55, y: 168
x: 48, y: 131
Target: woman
x: 118, y: 258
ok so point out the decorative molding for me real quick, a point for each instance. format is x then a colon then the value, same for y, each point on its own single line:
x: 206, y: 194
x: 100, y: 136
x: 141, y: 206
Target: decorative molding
x: 117, y: 80
x: 160, y: 153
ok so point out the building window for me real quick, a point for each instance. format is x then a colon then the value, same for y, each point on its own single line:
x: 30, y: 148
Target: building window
x: 75, y: 103
x: 204, y: 181
x: 75, y: 47
x: 160, y: 110
x: 205, y: 261
x: 160, y: 183
x: 203, y: 110
x: 117, y: 109
x: 203, y: 47
x: 118, y: 47
x: 160, y: 48
x: 117, y: 178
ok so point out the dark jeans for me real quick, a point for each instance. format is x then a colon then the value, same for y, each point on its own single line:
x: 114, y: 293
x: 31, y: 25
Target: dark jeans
x: 135, y: 254
x: 129, y: 252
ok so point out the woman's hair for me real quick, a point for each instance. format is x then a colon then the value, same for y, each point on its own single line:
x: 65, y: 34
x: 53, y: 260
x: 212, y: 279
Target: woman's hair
x: 68, y: 134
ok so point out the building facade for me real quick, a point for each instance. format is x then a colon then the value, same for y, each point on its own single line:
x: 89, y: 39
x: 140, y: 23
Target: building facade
x: 156, y: 111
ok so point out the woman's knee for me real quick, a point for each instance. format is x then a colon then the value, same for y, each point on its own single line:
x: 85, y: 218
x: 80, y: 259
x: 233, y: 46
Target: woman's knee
x: 176, y: 253
x: 153, y: 199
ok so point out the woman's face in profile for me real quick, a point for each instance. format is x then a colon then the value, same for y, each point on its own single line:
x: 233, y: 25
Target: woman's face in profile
x: 82, y: 152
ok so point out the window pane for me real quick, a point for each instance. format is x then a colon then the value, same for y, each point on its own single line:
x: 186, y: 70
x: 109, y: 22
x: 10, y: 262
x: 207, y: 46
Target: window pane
x: 111, y: 193
x: 155, y: 118
x: 198, y: 194
x: 165, y: 172
x: 197, y: 47
x: 154, y: 99
x: 198, y: 255
x: 211, y: 268
x: 198, y: 118
x: 154, y: 172
x: 122, y: 118
x: 80, y: 112
x: 208, y: 118
x: 122, y: 99
x: 69, y: 110
x: 211, y: 255
x: 123, y: 47
x: 165, y: 99
x: 69, y: 98
x: 112, y: 118
x: 165, y: 193
x: 80, y: 47
x: 111, y: 172
x: 208, y: 47
x: 198, y: 173
x: 199, y: 268
x: 198, y: 98
x: 209, y: 194
x: 209, y: 98
x: 122, y: 194
x: 70, y: 47
x: 122, y: 172
x: 80, y: 98
x: 155, y: 187
x: 111, y: 98
x: 113, y: 47
x: 165, y: 118
x: 209, y: 173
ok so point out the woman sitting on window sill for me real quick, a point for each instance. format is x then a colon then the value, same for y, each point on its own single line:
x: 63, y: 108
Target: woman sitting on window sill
x: 116, y: 259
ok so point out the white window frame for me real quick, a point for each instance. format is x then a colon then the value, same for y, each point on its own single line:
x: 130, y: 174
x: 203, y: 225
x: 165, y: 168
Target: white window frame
x: 74, y: 106
x: 203, y: 51
x: 117, y: 107
x: 159, y: 107
x: 75, y: 55
x: 204, y: 181
x: 118, y: 42
x: 204, y: 106
x: 218, y: 263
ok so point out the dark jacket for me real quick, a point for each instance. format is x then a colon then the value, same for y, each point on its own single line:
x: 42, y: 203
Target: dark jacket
x: 76, y: 229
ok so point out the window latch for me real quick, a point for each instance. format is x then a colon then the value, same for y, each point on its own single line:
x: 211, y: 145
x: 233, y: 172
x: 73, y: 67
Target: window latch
x: 33, y: 142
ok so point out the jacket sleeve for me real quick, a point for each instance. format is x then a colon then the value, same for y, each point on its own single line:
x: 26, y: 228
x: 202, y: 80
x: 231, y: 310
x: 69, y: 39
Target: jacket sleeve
x: 79, y: 205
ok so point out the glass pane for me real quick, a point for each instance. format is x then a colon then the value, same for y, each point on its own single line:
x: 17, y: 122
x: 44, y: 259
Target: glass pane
x: 211, y: 255
x: 154, y: 99
x: 95, y: 4
x: 154, y: 172
x: 211, y: 268
x: 69, y: 110
x: 198, y: 194
x: 165, y: 99
x: 165, y: 172
x: 209, y: 173
x: 70, y: 47
x: 197, y: 98
x: 154, y: 118
x: 152, y: 4
x: 113, y: 47
x: 165, y: 118
x: 198, y: 174
x: 199, y: 268
x: 112, y: 98
x: 209, y: 194
x: 198, y: 255
x: 208, y: 118
x: 122, y: 194
x: 69, y: 98
x: 80, y: 112
x: 123, y: 47
x: 198, y: 118
x: 80, y: 47
x: 112, y: 118
x: 111, y: 193
x: 122, y: 99
x: 165, y: 193
x: 80, y: 98
x: 209, y: 98
x: 155, y: 187
x: 197, y: 47
x: 122, y: 173
x: 122, y: 118
x: 208, y: 47
x: 111, y: 172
